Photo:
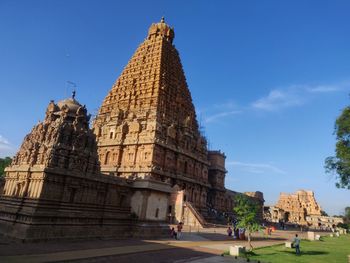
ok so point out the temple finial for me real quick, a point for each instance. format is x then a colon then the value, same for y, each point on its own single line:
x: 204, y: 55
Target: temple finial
x: 73, y: 94
x: 162, y: 20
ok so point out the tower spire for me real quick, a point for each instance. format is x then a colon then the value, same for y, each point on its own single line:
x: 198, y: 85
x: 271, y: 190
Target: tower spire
x: 161, y: 29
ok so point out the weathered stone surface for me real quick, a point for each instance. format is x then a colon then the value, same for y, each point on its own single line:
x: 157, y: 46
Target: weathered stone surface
x: 146, y: 128
x: 54, y: 188
x: 300, y: 208
x: 297, y: 206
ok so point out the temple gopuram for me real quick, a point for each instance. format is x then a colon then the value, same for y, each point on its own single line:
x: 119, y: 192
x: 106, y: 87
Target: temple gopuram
x: 300, y: 208
x: 143, y: 165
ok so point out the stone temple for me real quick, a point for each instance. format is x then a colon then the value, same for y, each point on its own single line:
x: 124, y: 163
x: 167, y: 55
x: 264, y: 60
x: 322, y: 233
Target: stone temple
x: 299, y: 208
x: 144, y: 164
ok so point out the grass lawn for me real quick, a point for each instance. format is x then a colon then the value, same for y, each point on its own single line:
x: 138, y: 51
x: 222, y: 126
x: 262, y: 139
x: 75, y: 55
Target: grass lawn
x: 329, y: 249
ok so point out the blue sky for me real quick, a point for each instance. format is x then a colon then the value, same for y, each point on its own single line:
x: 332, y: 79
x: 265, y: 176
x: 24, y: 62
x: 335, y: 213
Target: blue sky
x: 268, y: 78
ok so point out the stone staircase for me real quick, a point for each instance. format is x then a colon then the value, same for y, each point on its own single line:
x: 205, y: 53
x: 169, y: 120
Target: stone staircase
x: 201, y: 218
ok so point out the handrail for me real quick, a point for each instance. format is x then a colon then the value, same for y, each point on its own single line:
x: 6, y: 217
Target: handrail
x: 198, y: 216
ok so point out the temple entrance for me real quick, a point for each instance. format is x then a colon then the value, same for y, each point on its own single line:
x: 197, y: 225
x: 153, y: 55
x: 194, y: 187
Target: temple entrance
x: 286, y: 217
x: 305, y: 214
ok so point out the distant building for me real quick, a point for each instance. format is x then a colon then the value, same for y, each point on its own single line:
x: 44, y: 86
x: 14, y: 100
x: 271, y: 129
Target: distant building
x: 300, y: 208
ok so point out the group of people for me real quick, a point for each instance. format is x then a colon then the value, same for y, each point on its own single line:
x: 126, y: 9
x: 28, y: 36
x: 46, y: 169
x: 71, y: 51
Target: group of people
x: 177, y: 235
x: 237, y: 233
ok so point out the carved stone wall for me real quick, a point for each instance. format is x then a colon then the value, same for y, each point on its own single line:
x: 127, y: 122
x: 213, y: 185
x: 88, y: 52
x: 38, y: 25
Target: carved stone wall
x: 54, y: 188
x: 62, y: 140
x: 147, y: 127
x: 298, y: 206
x: 217, y: 170
x: 324, y: 222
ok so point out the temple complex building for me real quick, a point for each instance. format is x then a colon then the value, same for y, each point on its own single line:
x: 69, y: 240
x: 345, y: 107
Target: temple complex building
x: 54, y: 188
x: 147, y: 129
x: 144, y: 162
x: 300, y: 208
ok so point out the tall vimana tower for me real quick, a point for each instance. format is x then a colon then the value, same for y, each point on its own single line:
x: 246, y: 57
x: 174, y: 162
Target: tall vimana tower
x: 147, y: 127
x: 146, y: 130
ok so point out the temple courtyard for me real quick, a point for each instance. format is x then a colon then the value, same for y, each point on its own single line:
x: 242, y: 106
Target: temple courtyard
x: 196, y: 245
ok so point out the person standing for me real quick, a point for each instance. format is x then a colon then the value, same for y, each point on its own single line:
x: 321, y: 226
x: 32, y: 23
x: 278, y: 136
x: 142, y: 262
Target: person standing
x: 229, y: 231
x: 179, y: 229
x: 235, y: 233
x: 173, y: 233
x: 296, y: 244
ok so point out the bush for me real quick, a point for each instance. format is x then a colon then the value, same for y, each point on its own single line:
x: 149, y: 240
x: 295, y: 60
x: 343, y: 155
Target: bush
x: 346, y: 226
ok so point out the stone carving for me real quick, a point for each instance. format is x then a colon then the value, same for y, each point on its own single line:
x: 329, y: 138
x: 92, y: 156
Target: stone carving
x: 299, y: 208
x: 154, y: 109
x: 62, y: 140
x: 57, y: 171
x: 156, y: 128
x: 296, y: 207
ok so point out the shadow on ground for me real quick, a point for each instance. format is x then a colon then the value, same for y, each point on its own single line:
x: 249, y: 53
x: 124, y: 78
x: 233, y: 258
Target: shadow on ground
x: 223, y: 237
x: 121, y: 251
x: 308, y: 253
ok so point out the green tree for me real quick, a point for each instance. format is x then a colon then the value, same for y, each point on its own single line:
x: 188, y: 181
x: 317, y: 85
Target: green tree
x: 4, y: 162
x: 347, y: 214
x: 323, y: 213
x: 246, y: 210
x: 340, y: 163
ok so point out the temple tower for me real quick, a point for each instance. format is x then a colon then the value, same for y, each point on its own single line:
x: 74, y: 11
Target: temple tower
x: 298, y: 206
x: 146, y: 127
x: 54, y: 188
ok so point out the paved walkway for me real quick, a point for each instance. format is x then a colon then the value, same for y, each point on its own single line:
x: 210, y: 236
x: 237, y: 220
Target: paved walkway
x: 212, y: 243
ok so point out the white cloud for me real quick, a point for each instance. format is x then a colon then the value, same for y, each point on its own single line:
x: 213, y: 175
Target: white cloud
x: 280, y: 98
x: 341, y: 86
x: 294, y: 95
x: 256, y: 168
x: 277, y: 99
x: 3, y: 141
x: 216, y: 112
x: 220, y: 115
x: 324, y: 89
x: 226, y: 105
x: 6, y: 149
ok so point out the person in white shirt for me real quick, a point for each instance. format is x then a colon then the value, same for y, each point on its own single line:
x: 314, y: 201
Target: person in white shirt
x: 296, y: 244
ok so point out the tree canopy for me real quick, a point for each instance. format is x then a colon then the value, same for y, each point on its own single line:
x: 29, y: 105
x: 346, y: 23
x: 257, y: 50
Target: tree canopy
x: 347, y: 213
x: 246, y: 210
x: 323, y: 213
x: 340, y: 163
x: 4, y: 162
